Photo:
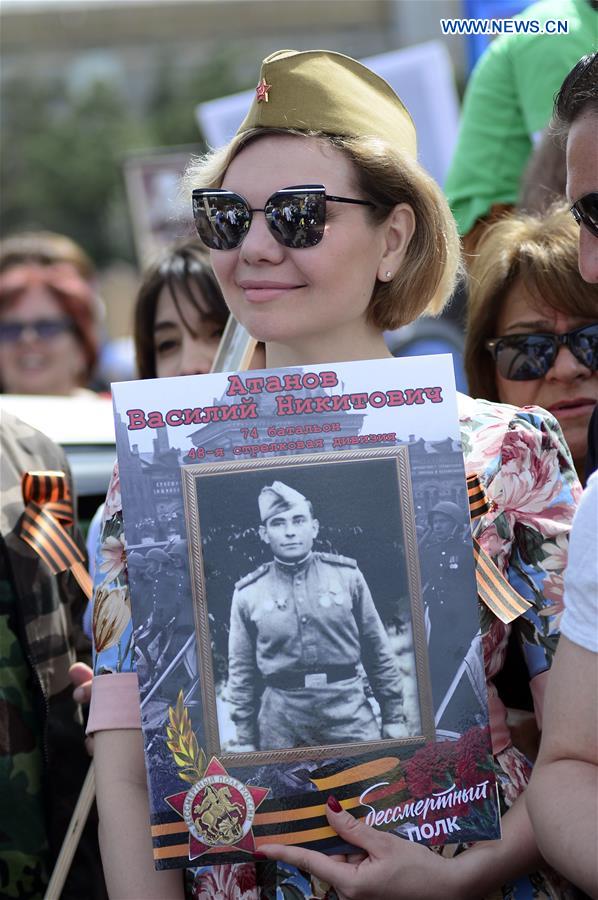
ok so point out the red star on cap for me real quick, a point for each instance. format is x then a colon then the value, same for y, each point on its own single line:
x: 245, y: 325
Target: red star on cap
x: 262, y: 91
x: 198, y: 847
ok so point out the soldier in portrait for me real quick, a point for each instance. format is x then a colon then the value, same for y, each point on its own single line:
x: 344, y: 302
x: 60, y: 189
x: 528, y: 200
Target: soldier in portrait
x: 446, y: 557
x: 301, y: 625
x: 444, y: 549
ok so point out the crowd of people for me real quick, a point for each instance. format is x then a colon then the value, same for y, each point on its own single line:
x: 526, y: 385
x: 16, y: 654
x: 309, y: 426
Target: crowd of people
x: 316, y: 274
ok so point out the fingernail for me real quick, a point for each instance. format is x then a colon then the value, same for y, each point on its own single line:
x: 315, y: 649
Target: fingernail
x: 333, y: 803
x: 259, y: 856
x: 78, y: 695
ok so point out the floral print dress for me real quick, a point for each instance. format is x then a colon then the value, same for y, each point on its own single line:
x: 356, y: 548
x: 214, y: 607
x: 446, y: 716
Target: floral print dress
x: 525, y: 466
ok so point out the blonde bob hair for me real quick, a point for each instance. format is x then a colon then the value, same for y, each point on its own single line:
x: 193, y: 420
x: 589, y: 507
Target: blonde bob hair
x: 538, y: 251
x: 386, y: 176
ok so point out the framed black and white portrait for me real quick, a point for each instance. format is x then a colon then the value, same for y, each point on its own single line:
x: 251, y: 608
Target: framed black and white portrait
x: 308, y: 609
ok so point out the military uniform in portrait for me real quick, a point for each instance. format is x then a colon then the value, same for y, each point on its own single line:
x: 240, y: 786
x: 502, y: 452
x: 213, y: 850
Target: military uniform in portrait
x: 304, y: 629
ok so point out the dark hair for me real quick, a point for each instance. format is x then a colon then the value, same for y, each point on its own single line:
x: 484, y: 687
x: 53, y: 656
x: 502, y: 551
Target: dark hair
x: 578, y: 93
x: 186, y: 272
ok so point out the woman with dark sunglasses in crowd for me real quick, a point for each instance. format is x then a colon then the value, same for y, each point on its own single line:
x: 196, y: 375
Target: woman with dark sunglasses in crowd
x: 532, y: 330
x: 49, y: 315
x: 324, y: 231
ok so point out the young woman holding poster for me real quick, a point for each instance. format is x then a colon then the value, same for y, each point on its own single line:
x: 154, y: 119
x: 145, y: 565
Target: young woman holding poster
x: 364, y: 243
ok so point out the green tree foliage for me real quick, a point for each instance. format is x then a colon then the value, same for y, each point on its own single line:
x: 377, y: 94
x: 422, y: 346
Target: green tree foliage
x: 62, y: 151
x: 61, y: 163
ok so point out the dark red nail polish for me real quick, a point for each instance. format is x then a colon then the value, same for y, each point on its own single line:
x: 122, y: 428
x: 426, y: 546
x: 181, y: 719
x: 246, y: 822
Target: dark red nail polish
x: 259, y: 856
x: 334, y: 805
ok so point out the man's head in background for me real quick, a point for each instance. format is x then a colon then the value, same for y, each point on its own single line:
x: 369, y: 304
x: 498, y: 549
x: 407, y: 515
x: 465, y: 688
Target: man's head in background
x: 576, y: 117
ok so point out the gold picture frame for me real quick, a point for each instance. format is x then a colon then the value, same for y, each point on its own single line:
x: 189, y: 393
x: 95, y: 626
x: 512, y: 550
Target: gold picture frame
x: 277, y: 468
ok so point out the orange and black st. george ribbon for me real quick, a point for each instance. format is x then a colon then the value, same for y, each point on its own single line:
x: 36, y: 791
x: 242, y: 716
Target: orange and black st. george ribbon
x: 44, y: 525
x: 493, y: 588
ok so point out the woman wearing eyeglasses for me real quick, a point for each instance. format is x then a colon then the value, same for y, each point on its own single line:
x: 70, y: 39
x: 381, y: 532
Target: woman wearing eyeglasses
x: 324, y: 231
x: 48, y: 315
x: 532, y: 335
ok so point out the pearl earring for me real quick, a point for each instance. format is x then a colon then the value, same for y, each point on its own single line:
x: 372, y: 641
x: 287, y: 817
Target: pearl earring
x: 388, y: 275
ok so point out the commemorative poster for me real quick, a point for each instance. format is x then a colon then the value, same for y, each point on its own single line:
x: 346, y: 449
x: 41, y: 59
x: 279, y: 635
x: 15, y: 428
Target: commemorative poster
x: 304, y: 607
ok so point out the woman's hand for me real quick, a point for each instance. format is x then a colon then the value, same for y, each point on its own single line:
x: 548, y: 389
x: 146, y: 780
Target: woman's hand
x: 392, y: 869
x: 81, y: 676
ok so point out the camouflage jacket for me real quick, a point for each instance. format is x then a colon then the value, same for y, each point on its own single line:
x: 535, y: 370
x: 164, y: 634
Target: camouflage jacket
x: 49, y: 615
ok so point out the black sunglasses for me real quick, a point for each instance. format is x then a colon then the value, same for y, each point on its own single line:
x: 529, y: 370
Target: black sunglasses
x: 585, y: 212
x: 525, y: 357
x: 44, y: 329
x: 295, y: 215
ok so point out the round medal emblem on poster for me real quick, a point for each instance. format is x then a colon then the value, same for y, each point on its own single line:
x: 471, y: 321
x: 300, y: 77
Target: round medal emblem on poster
x: 219, y: 810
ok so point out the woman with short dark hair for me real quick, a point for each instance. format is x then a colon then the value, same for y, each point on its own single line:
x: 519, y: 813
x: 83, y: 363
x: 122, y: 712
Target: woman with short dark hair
x: 180, y: 314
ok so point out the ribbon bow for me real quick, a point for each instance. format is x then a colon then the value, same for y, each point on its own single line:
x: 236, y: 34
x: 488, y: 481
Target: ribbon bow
x: 48, y: 514
x: 493, y: 588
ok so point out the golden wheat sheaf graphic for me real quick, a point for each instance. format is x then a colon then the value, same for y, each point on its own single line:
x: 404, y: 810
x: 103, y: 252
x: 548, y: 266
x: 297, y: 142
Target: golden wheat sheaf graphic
x: 182, y: 743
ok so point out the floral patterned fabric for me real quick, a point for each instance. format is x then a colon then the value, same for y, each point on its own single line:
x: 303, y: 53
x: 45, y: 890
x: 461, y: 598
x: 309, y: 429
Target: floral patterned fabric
x: 525, y: 466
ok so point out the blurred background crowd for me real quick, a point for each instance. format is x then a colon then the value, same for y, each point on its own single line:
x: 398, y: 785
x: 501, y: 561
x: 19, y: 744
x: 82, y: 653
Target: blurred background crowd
x: 103, y: 104
x: 121, y: 92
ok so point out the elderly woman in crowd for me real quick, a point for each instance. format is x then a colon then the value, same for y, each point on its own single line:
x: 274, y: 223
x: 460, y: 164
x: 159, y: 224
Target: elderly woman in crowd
x: 378, y: 248
x: 532, y: 333
x: 49, y: 315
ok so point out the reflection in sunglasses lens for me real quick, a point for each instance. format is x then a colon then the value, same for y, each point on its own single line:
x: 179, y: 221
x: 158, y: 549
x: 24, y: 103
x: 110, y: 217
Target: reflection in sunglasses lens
x: 527, y: 357
x: 296, y: 219
x: 222, y: 220
x: 586, y: 347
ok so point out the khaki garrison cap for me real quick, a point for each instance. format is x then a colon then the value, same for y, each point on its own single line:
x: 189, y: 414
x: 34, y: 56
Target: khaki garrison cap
x: 277, y: 498
x: 318, y: 90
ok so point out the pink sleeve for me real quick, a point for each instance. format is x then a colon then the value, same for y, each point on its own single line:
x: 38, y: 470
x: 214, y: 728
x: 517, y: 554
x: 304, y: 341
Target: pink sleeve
x: 114, y: 702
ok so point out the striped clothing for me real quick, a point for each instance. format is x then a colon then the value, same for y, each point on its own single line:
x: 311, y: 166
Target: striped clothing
x: 43, y: 614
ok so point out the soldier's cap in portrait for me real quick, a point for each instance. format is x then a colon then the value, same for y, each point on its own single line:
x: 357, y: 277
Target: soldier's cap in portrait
x: 449, y: 509
x: 277, y: 498
x: 318, y: 90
